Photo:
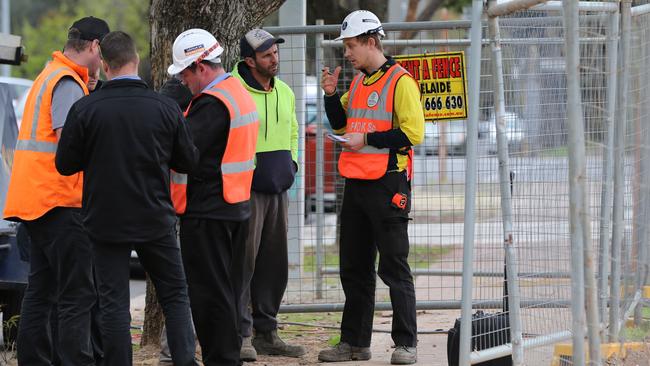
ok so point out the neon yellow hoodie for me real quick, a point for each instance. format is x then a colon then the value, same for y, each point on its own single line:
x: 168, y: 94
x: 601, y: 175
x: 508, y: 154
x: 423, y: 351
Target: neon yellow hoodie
x: 277, y: 140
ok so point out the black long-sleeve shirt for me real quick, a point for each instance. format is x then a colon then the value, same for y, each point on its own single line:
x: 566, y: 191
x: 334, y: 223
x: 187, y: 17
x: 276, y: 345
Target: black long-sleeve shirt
x: 125, y: 138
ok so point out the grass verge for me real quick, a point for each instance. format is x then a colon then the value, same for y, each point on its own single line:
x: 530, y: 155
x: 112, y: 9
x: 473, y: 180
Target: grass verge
x: 420, y: 256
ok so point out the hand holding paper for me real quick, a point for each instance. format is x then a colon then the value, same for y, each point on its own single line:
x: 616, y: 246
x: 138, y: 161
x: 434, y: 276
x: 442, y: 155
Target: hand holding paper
x: 336, y: 138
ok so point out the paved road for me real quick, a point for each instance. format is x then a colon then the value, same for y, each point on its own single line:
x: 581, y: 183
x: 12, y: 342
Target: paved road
x: 138, y: 290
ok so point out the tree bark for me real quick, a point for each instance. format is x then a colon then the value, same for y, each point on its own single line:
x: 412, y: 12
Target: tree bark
x: 228, y: 21
x: 425, y: 15
x: 153, y: 318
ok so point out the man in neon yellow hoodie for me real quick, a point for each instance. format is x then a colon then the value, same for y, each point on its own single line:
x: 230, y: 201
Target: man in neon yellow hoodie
x: 266, y: 260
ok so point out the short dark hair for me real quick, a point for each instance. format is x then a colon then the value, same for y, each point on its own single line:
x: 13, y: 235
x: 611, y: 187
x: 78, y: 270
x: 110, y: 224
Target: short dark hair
x: 118, y: 49
x: 364, y: 38
x: 75, y: 42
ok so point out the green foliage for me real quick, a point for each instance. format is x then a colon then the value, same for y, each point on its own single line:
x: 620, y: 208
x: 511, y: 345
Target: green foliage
x: 636, y: 334
x: 49, y: 32
x: 334, y: 340
x: 8, y: 351
x: 641, y: 332
x: 456, y: 5
x: 43, y: 39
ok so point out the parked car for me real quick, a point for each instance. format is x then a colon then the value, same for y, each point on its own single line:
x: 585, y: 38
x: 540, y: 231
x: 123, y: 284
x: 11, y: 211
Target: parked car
x: 515, y: 133
x: 19, y: 88
x: 14, y: 267
x: 454, y: 137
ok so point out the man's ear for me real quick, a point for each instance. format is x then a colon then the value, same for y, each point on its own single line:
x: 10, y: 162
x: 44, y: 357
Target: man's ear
x: 95, y: 45
x: 372, y: 42
x: 249, y: 61
x: 200, y: 68
x: 105, y: 67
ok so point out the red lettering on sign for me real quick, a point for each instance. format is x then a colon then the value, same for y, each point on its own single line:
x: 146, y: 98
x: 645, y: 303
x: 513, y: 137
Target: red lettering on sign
x: 455, y: 67
x: 425, y: 69
x: 416, y: 69
x: 441, y: 68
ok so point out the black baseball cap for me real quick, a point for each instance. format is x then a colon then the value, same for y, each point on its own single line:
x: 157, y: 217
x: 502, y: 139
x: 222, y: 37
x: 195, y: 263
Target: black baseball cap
x: 256, y: 40
x: 89, y: 29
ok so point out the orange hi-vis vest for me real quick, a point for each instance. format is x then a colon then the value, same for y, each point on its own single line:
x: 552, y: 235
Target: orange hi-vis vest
x: 238, y: 161
x: 35, y: 186
x: 370, y: 109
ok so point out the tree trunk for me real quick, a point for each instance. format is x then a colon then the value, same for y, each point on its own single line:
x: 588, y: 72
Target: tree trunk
x: 153, y: 318
x: 228, y: 21
x: 425, y: 15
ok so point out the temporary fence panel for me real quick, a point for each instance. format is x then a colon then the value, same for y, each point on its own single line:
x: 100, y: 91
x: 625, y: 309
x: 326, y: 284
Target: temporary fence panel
x: 535, y: 124
x: 436, y: 231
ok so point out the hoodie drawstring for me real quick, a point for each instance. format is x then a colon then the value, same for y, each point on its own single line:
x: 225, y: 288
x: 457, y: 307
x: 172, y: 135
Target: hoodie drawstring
x: 277, y: 103
x: 266, y: 119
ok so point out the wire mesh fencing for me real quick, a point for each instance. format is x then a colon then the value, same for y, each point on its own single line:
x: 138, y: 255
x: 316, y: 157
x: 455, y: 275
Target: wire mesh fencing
x: 534, y: 129
x: 435, y: 231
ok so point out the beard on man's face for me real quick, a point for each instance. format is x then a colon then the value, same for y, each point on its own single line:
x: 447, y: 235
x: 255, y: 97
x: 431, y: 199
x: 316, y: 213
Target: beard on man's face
x: 268, y: 72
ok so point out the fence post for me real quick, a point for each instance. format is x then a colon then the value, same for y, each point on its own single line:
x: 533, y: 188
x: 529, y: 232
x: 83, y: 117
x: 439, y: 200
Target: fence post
x: 505, y: 190
x: 641, y: 269
x: 293, y: 12
x: 320, y: 165
x: 619, y: 175
x: 576, y: 167
x: 476, y: 35
x: 608, y: 157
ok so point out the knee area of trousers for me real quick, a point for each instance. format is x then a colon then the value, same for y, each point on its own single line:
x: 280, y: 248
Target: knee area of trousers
x: 395, y: 273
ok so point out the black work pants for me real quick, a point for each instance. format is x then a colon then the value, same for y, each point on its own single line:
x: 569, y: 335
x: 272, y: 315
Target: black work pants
x: 161, y: 258
x: 60, y: 276
x: 266, y: 263
x: 369, y: 223
x: 213, y: 259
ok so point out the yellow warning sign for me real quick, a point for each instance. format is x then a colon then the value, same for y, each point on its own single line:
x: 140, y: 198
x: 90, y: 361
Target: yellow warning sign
x: 442, y: 83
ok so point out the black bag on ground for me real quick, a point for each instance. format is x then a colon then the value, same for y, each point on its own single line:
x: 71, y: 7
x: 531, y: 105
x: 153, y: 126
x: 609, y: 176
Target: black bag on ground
x: 488, y: 330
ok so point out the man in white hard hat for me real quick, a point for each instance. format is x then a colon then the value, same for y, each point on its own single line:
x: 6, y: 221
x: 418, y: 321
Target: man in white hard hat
x: 214, y: 199
x: 266, y: 264
x: 380, y: 118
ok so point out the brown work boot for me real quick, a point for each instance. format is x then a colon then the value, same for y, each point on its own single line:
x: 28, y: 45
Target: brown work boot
x: 271, y: 344
x: 247, y: 352
x: 344, y: 352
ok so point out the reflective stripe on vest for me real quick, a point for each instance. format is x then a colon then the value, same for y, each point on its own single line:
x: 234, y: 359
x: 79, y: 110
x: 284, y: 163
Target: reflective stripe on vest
x: 178, y: 190
x: 36, y: 146
x: 370, y: 109
x: 238, y: 161
x: 35, y: 187
x: 32, y: 144
x: 239, y: 167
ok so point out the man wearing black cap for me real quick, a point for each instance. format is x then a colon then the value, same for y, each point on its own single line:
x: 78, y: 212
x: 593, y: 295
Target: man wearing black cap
x: 266, y: 261
x: 49, y: 205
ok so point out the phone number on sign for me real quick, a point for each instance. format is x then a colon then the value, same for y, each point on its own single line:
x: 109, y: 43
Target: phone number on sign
x: 435, y: 103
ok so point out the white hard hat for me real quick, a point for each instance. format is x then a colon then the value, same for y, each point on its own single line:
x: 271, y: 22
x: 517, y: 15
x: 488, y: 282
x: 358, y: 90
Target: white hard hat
x: 194, y: 45
x: 360, y: 22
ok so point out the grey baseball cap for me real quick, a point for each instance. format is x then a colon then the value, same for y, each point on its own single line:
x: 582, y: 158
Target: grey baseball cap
x: 257, y: 40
